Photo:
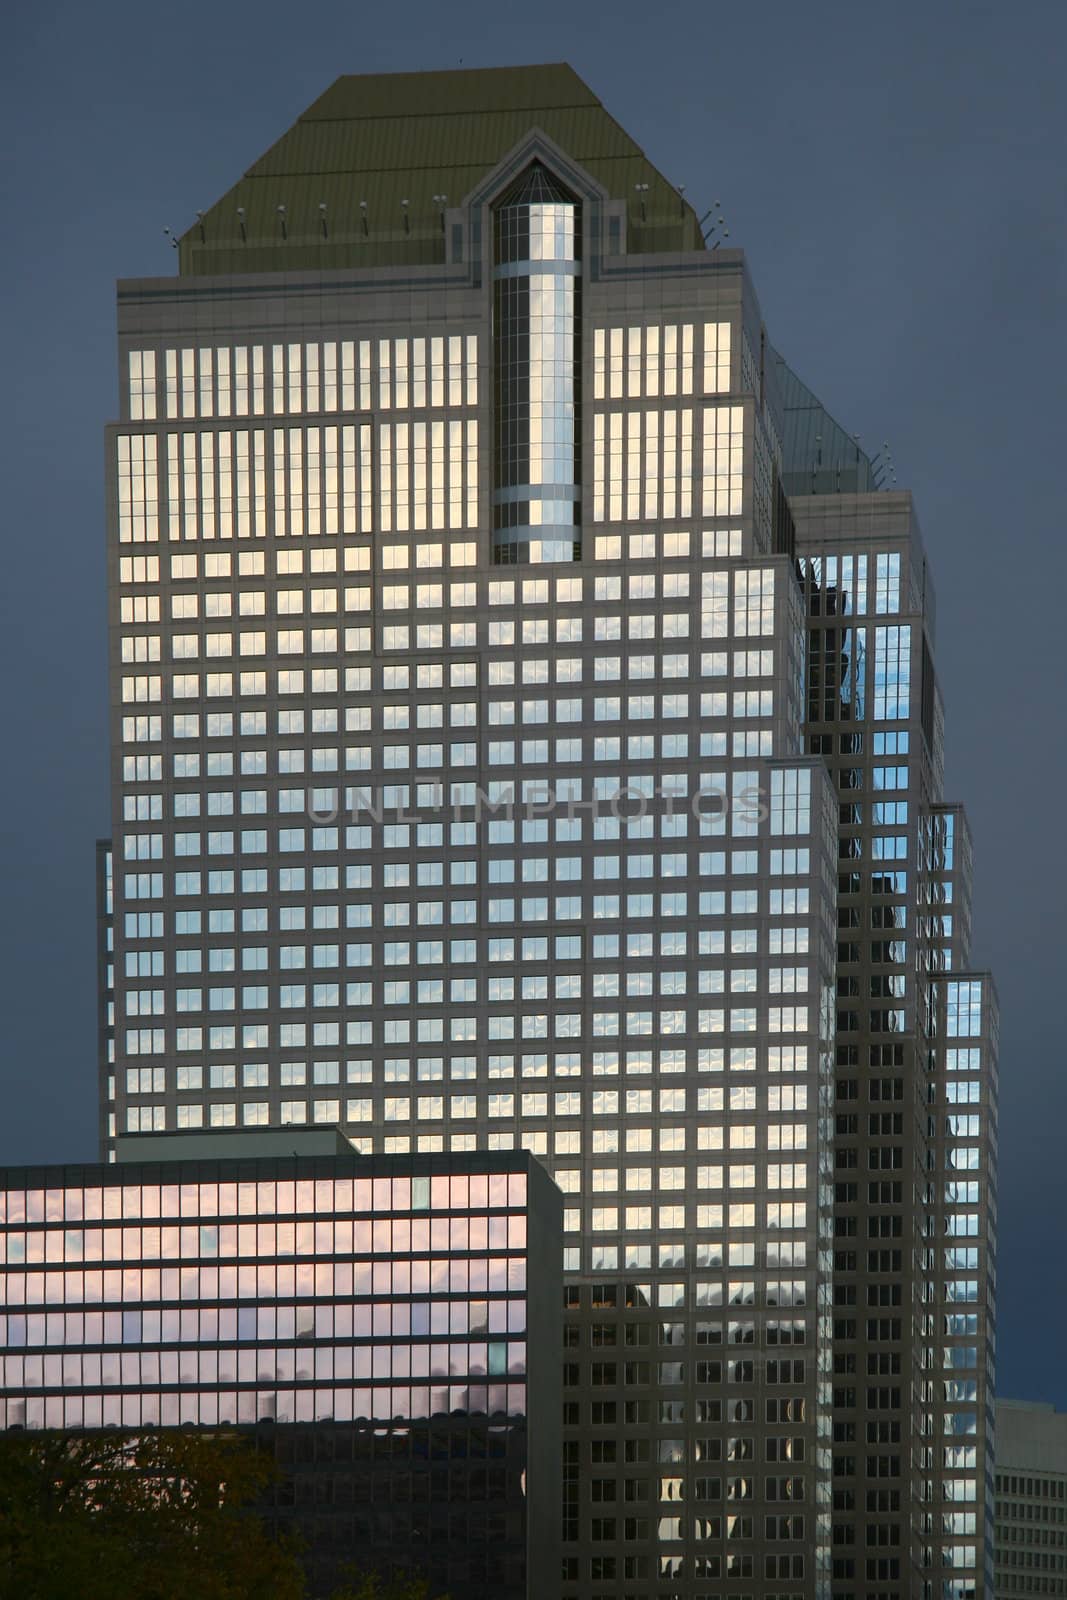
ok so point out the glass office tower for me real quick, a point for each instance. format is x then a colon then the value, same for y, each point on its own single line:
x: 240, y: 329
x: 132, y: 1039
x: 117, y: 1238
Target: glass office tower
x: 461, y: 786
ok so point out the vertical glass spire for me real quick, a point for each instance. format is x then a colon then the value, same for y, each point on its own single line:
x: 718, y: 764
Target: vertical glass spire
x: 536, y: 338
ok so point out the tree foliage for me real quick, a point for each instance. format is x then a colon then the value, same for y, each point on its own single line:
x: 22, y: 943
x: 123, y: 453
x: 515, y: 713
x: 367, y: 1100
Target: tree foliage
x: 163, y: 1515
x: 359, y: 1585
x: 156, y: 1516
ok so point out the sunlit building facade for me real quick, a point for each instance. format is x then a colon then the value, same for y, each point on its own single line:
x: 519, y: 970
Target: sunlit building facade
x: 464, y: 786
x: 370, y: 1318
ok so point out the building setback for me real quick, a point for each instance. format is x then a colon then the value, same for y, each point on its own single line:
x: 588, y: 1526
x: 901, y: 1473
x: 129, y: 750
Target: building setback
x: 388, y: 1324
x: 478, y: 770
x: 916, y: 1068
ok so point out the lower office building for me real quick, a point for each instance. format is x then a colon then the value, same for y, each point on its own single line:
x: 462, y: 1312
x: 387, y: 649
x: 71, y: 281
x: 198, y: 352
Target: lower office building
x: 386, y: 1321
x: 1030, y: 1531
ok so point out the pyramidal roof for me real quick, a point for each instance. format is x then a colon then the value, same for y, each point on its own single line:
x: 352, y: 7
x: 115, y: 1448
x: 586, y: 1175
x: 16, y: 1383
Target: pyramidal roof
x: 329, y: 193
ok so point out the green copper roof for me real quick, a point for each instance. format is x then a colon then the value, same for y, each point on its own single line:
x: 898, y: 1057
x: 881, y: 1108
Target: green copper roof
x: 414, y: 136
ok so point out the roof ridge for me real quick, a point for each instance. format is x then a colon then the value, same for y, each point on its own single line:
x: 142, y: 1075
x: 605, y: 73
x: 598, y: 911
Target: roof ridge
x: 445, y: 72
x: 465, y: 111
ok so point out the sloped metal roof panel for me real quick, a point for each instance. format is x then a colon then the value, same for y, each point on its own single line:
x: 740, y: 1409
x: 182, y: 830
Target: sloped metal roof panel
x: 476, y: 89
x: 424, y: 142
x: 410, y: 137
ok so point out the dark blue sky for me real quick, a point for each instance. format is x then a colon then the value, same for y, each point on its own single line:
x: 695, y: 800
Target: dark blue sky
x: 896, y: 175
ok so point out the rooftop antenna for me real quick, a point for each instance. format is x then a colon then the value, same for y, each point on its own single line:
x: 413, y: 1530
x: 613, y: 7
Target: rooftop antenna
x: 881, y: 464
x: 363, y: 216
x: 322, y: 219
x: 642, y: 190
x: 720, y: 222
x: 241, y: 224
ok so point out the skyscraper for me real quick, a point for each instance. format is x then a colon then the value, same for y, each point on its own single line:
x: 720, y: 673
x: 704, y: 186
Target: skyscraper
x: 480, y: 781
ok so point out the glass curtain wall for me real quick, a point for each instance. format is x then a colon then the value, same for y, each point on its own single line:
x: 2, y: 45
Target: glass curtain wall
x: 537, y: 334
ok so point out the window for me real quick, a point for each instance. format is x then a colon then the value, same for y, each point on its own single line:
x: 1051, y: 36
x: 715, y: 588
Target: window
x: 892, y: 672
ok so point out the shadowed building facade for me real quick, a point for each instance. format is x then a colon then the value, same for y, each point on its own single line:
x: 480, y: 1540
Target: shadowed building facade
x: 469, y: 794
x: 915, y: 1198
